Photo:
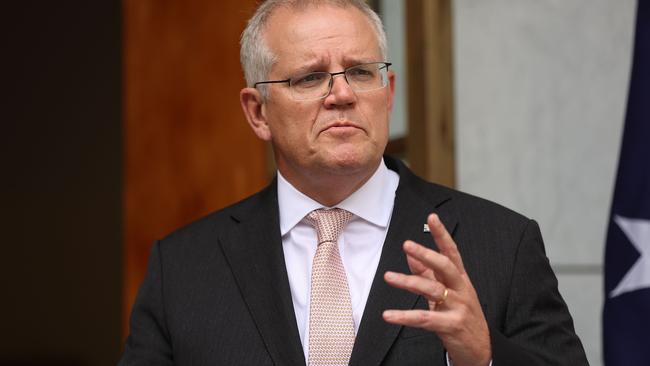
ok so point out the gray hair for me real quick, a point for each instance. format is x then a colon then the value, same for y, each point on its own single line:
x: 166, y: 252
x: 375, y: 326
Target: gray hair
x: 256, y: 57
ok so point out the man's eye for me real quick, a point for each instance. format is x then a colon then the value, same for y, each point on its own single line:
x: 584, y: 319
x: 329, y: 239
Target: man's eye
x: 361, y: 72
x: 309, y: 80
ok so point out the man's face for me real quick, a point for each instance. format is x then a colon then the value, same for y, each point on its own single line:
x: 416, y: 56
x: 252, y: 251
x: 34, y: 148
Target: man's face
x: 346, y: 132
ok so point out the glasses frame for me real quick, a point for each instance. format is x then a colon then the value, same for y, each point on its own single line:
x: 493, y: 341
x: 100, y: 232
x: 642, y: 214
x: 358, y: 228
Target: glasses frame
x: 331, y: 79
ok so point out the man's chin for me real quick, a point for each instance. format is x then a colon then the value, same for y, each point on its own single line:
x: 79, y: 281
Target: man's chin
x: 351, y: 162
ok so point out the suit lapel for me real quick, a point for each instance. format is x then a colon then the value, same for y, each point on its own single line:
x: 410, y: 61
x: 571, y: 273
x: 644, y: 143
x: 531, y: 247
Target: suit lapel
x: 410, y: 212
x: 253, y: 249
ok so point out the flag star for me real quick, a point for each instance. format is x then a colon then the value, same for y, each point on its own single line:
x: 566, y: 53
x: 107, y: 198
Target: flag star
x: 638, y: 276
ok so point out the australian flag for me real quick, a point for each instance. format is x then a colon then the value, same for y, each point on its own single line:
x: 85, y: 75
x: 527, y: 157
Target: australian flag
x: 626, y: 315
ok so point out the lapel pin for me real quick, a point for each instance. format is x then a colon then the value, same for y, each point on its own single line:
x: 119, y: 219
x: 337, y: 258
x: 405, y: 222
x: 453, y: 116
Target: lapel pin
x: 426, y: 228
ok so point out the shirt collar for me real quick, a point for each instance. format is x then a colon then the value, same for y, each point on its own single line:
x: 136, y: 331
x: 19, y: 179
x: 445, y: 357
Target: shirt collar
x: 372, y: 202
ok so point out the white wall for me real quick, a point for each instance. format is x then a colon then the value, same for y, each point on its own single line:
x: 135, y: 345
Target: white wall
x: 541, y: 88
x: 393, y: 15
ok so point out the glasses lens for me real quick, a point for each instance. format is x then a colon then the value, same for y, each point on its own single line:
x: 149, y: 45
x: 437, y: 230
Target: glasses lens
x: 310, y: 86
x: 367, y: 77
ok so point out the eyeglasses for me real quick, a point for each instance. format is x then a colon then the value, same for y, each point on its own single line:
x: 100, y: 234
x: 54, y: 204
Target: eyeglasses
x: 317, y: 85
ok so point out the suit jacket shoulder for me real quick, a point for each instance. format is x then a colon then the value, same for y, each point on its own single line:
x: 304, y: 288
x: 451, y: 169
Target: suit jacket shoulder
x: 216, y: 293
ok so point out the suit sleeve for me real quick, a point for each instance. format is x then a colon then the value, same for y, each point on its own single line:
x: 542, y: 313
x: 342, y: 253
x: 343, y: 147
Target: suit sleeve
x: 538, y: 329
x: 149, y: 342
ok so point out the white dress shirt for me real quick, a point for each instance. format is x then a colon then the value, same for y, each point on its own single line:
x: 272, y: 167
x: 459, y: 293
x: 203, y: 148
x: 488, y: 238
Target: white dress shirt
x: 360, y: 242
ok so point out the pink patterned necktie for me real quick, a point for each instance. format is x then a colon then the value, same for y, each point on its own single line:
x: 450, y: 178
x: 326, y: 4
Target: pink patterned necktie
x: 331, y: 327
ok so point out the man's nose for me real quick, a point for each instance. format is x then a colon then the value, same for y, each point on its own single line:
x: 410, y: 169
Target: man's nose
x: 341, y: 93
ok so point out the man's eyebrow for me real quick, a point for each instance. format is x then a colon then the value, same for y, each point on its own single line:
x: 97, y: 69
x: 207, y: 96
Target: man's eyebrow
x: 321, y: 64
x: 353, y: 61
x: 312, y: 65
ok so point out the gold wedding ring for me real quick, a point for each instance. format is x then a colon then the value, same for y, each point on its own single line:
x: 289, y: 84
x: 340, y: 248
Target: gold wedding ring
x: 443, y: 298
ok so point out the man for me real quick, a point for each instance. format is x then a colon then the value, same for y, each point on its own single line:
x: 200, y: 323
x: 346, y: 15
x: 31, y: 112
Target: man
x: 333, y: 263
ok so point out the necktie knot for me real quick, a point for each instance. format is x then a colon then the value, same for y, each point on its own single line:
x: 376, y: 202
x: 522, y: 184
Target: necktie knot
x: 329, y: 223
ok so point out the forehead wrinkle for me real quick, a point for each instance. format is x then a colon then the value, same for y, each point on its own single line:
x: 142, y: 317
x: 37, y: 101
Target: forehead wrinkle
x: 313, y: 61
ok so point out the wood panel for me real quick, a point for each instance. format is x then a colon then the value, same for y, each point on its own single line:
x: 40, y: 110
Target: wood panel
x: 430, y: 141
x: 188, y: 149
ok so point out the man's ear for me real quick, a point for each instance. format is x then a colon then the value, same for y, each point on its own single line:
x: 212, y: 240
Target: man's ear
x: 253, y: 105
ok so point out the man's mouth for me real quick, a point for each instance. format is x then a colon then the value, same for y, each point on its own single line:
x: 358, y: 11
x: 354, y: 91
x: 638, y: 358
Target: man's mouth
x: 342, y: 127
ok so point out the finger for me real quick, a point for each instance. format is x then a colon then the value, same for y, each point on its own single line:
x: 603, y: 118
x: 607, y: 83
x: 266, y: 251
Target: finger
x: 434, y: 321
x: 445, y: 270
x: 419, y: 268
x: 444, y: 241
x: 432, y: 290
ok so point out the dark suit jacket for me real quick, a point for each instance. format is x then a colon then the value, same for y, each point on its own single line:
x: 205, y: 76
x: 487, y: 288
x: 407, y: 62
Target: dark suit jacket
x: 216, y: 292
